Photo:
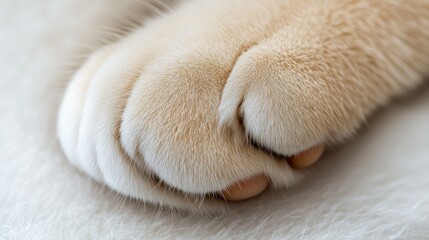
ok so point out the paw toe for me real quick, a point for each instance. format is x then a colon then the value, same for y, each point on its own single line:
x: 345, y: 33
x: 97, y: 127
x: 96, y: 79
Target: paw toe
x: 246, y: 189
x: 307, y: 158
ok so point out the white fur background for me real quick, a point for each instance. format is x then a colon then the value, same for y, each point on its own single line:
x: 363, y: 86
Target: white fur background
x: 374, y: 187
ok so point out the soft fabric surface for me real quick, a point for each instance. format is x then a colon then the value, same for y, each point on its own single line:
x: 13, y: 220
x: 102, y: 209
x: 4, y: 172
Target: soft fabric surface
x: 374, y: 187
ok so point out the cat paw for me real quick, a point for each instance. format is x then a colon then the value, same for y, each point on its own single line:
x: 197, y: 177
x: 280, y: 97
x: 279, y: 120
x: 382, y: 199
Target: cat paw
x: 189, y: 117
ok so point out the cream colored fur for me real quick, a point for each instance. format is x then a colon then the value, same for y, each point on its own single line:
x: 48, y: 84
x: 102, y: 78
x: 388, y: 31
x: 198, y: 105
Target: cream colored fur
x: 374, y: 186
x: 164, y: 114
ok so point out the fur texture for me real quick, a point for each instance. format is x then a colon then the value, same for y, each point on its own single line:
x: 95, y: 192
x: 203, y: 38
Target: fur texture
x: 163, y: 114
x: 372, y: 188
